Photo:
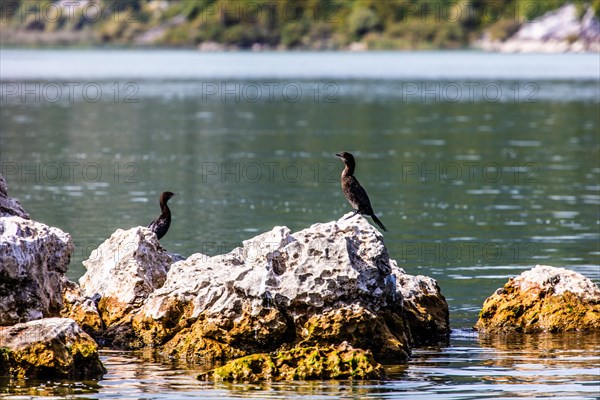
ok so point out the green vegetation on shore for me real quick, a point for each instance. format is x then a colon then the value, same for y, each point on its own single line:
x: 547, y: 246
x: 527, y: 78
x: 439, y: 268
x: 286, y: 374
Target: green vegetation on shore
x: 284, y: 24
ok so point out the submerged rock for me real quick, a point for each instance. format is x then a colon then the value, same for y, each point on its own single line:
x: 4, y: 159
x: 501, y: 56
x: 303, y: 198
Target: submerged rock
x: 48, y: 348
x: 543, y: 299
x: 122, y: 272
x: 303, y: 363
x: 34, y: 258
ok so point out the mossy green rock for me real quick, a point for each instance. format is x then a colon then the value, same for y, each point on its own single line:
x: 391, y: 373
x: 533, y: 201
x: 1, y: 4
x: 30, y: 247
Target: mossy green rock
x: 48, y: 348
x: 543, y: 299
x: 301, y: 363
x: 384, y: 333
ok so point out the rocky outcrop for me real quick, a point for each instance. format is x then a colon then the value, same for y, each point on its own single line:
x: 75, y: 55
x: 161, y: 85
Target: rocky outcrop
x: 324, y: 285
x: 8, y: 206
x: 321, y: 285
x: 48, y: 348
x: 341, y: 362
x: 33, y: 261
x: 121, y: 273
x: 543, y: 299
x: 34, y: 258
x: 561, y: 30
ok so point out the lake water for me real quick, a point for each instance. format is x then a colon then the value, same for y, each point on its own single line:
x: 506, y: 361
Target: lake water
x: 481, y: 165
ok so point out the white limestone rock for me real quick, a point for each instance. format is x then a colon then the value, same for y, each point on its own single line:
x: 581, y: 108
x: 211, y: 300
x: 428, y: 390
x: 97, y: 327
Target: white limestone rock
x: 325, y: 284
x: 33, y: 260
x: 123, y: 271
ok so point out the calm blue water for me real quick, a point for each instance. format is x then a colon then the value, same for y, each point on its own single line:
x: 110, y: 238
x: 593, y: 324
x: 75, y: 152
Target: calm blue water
x: 482, y: 165
x: 68, y: 65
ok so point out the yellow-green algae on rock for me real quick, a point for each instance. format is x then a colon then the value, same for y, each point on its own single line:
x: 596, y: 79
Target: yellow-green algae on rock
x: 543, y: 299
x: 48, y: 348
x: 384, y: 334
x: 81, y: 309
x: 301, y: 363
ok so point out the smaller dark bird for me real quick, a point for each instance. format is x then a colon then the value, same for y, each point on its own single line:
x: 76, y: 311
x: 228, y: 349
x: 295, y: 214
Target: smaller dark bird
x: 354, y: 192
x: 161, y: 224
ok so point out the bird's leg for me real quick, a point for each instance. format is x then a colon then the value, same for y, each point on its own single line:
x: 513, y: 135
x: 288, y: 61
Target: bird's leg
x: 353, y: 214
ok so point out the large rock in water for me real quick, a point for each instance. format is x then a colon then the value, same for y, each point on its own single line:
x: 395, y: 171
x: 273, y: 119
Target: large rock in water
x: 324, y: 285
x: 34, y: 258
x: 121, y: 273
x: 48, y: 348
x: 543, y: 299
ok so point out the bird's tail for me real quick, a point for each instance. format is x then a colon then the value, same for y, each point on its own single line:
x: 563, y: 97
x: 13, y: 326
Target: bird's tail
x: 378, y: 222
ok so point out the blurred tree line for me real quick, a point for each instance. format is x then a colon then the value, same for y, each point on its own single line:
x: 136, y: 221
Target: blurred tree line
x: 288, y: 24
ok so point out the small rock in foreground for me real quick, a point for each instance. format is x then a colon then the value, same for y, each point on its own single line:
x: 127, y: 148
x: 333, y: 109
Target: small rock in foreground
x: 48, y: 348
x: 543, y: 299
x: 301, y: 363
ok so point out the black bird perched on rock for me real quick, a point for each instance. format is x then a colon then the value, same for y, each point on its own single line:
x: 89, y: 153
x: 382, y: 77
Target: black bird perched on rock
x: 161, y: 224
x: 354, y: 192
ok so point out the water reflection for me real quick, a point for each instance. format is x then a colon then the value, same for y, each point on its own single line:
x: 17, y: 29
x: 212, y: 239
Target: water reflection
x: 566, y: 365
x: 472, y: 366
x: 547, y: 351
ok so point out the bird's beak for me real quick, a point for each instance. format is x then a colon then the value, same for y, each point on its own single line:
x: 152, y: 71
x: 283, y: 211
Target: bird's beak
x: 339, y: 155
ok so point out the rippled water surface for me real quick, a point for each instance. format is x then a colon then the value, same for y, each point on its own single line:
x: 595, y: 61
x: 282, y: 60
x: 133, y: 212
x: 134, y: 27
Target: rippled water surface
x: 534, y: 366
x: 481, y: 166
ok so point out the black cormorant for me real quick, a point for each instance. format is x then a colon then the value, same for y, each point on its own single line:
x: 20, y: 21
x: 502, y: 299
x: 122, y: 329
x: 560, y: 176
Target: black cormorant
x: 161, y: 224
x: 354, y: 192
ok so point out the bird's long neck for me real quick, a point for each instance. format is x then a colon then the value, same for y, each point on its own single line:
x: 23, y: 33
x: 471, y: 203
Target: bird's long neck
x: 348, y: 170
x: 164, y: 208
